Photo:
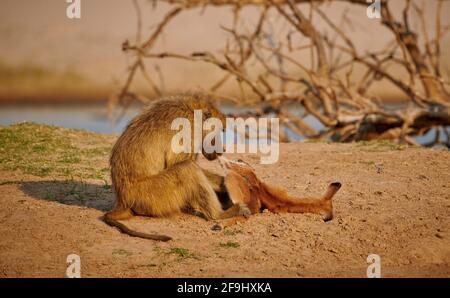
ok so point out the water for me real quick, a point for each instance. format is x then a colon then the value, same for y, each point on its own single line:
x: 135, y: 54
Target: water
x: 94, y: 117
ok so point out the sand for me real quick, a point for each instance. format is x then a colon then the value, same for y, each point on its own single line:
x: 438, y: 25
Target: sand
x: 394, y: 202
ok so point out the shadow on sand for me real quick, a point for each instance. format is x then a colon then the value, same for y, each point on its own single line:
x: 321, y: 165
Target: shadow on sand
x: 71, y: 192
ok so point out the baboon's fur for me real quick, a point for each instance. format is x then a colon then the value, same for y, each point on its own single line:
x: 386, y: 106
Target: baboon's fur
x: 151, y: 180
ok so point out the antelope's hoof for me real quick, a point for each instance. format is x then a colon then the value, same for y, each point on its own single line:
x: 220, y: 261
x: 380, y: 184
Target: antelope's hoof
x: 336, y: 184
x: 327, y: 216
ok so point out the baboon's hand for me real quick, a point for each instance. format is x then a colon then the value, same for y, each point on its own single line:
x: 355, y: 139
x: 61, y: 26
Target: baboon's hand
x: 244, y: 210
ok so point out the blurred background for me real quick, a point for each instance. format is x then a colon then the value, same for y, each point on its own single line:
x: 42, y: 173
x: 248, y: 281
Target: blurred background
x: 61, y: 71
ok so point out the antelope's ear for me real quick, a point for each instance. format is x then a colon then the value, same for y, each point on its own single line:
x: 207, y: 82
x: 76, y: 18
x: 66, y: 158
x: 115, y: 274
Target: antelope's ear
x: 242, y: 163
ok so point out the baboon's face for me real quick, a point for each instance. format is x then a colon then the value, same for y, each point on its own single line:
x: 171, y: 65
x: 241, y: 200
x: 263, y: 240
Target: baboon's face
x: 212, y: 112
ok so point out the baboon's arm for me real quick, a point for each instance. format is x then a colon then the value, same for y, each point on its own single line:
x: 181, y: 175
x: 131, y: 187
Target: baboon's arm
x: 216, y: 181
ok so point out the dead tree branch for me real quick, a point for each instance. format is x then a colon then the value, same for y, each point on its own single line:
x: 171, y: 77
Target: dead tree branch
x: 328, y: 90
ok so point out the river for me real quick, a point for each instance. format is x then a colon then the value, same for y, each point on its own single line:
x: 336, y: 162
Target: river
x: 94, y: 117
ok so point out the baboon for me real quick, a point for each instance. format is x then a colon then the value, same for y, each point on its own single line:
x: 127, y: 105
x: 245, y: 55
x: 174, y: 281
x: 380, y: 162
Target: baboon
x: 151, y: 180
x: 246, y: 188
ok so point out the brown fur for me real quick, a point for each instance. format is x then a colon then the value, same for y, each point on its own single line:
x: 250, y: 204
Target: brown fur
x: 151, y: 180
x: 245, y: 187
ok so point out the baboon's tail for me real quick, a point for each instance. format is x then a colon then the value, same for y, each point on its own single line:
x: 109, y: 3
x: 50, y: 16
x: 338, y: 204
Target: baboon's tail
x: 332, y: 190
x: 124, y: 229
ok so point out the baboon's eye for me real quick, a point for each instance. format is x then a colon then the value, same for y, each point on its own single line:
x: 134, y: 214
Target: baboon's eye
x: 240, y: 160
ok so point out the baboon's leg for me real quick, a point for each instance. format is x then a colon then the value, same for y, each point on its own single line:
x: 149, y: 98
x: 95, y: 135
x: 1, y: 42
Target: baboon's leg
x: 239, y: 195
x: 174, y: 190
x: 216, y: 180
x: 236, y: 210
x: 233, y: 206
x: 205, y: 199
x: 218, y: 183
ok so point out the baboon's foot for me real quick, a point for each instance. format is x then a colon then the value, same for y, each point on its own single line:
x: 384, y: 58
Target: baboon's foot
x: 236, y: 213
x: 244, y: 210
x: 198, y: 214
x: 239, y: 209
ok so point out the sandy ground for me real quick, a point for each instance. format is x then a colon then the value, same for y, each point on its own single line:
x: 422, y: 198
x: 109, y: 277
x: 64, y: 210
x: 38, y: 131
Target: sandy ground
x: 394, y: 203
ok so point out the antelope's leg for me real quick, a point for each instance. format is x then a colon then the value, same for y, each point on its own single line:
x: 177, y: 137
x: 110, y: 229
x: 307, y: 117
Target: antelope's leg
x: 279, y: 201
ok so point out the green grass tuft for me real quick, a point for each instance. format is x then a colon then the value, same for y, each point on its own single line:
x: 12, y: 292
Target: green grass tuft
x: 181, y: 252
x: 122, y: 252
x: 380, y: 145
x: 45, y: 150
x: 230, y: 244
x: 231, y: 232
